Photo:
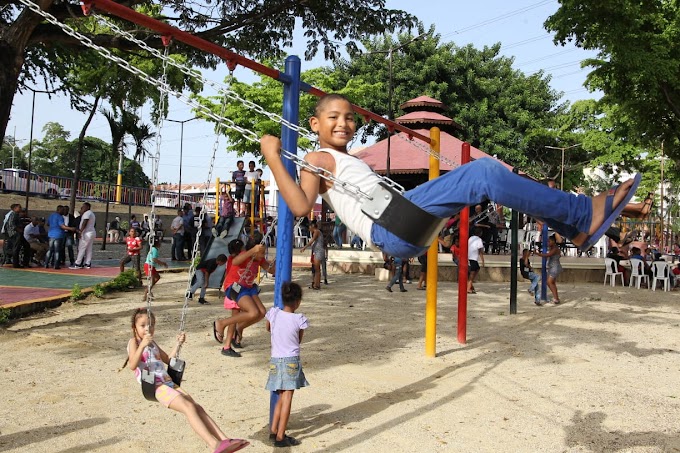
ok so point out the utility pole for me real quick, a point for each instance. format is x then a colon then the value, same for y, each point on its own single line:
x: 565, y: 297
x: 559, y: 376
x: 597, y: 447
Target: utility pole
x: 563, y: 149
x: 390, y: 91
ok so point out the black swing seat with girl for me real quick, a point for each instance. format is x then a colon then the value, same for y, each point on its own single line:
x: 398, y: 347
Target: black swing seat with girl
x: 175, y: 371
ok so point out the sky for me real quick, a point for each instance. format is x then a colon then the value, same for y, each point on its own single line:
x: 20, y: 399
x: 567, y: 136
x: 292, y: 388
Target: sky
x: 517, y: 25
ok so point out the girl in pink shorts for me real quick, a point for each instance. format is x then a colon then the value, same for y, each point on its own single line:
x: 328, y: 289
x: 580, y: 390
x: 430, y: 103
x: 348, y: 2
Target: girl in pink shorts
x: 143, y: 352
x: 240, y: 287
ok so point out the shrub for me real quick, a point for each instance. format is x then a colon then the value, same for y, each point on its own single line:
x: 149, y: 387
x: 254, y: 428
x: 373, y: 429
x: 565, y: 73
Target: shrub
x: 4, y: 315
x: 76, y: 293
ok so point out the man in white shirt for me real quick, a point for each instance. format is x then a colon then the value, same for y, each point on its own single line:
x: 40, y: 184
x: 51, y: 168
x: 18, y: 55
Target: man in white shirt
x: 177, y: 228
x: 32, y: 236
x: 87, y: 236
x: 475, y: 255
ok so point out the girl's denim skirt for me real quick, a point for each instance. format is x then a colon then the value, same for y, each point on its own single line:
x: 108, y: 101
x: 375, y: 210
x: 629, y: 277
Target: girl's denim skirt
x: 285, y: 373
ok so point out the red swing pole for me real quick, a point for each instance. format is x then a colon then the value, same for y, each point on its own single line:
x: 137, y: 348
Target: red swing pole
x: 464, y: 230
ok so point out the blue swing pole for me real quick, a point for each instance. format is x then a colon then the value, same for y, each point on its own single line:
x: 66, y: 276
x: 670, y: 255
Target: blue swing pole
x: 289, y: 137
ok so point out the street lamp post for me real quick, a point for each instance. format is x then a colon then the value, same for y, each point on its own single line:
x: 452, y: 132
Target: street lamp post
x: 181, y: 146
x: 563, y: 149
x: 390, y: 91
x: 30, y: 141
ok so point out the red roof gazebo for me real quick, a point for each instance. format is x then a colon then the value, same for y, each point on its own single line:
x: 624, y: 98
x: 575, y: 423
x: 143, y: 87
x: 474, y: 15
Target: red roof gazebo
x: 409, y: 162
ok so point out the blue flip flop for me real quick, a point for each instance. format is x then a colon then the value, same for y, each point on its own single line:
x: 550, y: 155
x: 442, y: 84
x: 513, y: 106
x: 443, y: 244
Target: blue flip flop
x: 611, y: 213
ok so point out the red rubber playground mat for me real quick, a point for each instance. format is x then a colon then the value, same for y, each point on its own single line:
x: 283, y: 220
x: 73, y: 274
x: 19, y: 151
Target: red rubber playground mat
x: 19, y: 286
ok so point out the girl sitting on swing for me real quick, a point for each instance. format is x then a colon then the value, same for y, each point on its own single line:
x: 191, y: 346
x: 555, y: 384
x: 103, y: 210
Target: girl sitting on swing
x: 577, y: 217
x: 143, y: 352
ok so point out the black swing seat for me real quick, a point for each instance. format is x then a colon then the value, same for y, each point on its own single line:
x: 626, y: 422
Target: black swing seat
x: 175, y: 370
x: 401, y: 217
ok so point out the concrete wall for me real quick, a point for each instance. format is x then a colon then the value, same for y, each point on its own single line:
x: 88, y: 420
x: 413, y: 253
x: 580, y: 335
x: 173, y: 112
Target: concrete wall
x: 497, y: 268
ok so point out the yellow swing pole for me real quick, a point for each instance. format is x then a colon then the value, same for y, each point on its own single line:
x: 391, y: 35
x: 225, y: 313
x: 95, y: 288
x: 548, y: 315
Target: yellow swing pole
x: 432, y: 266
x: 217, y: 200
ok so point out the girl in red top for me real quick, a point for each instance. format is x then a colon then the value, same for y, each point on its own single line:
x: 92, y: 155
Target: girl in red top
x: 240, y: 287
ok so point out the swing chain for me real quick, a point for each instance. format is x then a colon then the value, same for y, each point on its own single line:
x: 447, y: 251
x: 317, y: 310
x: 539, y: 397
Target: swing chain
x: 222, y: 121
x: 154, y: 182
x: 201, y: 218
x: 222, y: 89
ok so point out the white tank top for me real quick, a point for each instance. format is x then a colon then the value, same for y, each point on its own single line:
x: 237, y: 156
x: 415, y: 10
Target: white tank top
x: 345, y: 203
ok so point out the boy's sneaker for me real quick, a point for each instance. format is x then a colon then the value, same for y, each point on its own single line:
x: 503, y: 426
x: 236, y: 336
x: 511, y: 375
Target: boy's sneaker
x: 76, y: 266
x: 87, y: 266
x: 202, y: 301
x: 230, y: 353
x: 214, y: 232
x: 224, y: 234
x: 188, y: 295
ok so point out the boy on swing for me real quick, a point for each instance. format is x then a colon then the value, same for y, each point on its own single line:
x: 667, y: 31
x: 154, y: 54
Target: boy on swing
x: 580, y: 218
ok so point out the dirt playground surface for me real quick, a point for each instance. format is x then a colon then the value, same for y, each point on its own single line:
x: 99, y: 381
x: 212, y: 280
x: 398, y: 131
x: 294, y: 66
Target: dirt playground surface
x: 598, y: 373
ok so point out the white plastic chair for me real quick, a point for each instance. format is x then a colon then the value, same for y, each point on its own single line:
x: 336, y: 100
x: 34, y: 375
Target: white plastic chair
x: 637, y: 273
x: 611, y: 271
x: 300, y: 239
x: 661, y: 272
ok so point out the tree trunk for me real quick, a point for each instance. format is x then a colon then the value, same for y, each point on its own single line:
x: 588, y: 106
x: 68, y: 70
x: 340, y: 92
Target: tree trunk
x: 13, y: 41
x: 79, y: 154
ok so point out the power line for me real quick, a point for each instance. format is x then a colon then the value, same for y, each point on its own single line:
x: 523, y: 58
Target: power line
x: 497, y: 18
x: 546, y: 57
x: 525, y: 41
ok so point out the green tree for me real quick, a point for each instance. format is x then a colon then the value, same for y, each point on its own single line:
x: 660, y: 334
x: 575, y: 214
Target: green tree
x: 32, y: 49
x: 501, y: 109
x: 638, y: 44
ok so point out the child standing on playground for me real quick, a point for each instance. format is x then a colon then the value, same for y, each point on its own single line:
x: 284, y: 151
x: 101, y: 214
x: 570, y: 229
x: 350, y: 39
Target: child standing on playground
x: 582, y: 219
x: 150, y: 265
x: 240, y: 286
x: 318, y: 247
x: 528, y: 272
x: 239, y: 179
x: 285, y: 370
x: 553, y: 265
x: 133, y: 244
x: 143, y: 352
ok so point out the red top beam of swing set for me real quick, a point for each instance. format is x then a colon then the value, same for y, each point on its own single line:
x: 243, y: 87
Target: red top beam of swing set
x: 230, y: 57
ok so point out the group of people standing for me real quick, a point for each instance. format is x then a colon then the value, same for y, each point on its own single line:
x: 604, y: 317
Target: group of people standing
x: 244, y: 196
x: 49, y: 240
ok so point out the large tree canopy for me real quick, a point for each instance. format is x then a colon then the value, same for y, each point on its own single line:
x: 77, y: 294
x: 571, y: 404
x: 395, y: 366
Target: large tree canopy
x: 31, y: 48
x: 638, y: 62
x: 502, y: 111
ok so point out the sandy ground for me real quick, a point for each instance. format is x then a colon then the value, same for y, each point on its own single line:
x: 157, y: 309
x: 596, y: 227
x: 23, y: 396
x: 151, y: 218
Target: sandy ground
x: 597, y: 373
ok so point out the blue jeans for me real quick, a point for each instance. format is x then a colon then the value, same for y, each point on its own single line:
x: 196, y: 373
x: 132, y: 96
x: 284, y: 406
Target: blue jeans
x: 178, y: 246
x: 200, y: 283
x: 487, y: 179
x: 54, y: 252
x: 398, y: 265
x: 338, y: 231
x: 69, y: 242
x: 535, y: 280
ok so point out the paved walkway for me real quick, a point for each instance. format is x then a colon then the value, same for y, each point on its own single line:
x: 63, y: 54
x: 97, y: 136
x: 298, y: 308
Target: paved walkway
x: 39, y: 285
